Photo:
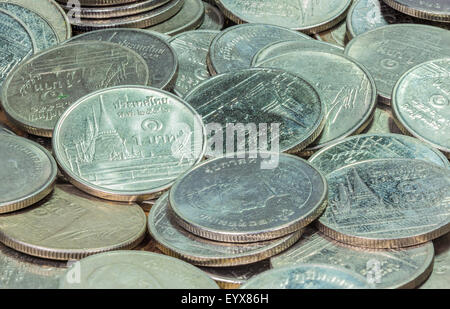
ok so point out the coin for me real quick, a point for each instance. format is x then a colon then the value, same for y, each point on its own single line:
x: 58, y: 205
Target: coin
x: 438, y: 10
x: 175, y: 241
x: 387, y: 203
x: 100, y: 2
x: 336, y: 35
x: 214, y: 19
x: 27, y: 170
x: 5, y: 129
x: 421, y: 103
x: 189, y: 17
x: 70, y: 225
x: 42, y: 87
x: 389, y: 51
x: 128, y: 143
x: 192, y: 49
x: 385, y: 268
x: 239, y: 199
x: 307, y: 16
x: 348, y: 91
x: 252, y: 99
x: 307, y: 276
x: 159, y: 55
x: 374, y: 146
x: 383, y: 122
x: 440, y: 278
x: 136, y: 269
x: 234, y: 48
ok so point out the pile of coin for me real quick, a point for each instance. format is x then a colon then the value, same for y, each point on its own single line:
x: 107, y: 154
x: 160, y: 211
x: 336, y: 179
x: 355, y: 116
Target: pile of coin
x: 305, y: 145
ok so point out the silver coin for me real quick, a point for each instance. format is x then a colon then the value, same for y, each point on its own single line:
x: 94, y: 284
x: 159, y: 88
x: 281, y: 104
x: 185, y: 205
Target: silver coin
x: 438, y: 10
x: 440, y: 277
x: 382, y: 122
x: 214, y: 19
x: 336, y: 35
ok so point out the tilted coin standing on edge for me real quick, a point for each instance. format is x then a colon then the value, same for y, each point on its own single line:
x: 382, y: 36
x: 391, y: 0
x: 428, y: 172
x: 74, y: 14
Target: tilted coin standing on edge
x: 128, y: 143
x: 248, y: 197
x: 437, y: 10
x: 387, y: 203
x: 307, y: 16
x: 173, y: 240
x: 161, y: 59
x: 336, y: 35
x: 27, y: 173
x: 214, y: 19
x: 307, y: 276
x: 234, y: 48
x: 386, y: 268
x: 136, y: 270
x: 41, y: 88
x: 348, y: 91
x: 421, y: 103
x: 382, y: 122
x: 389, y: 51
x: 69, y: 224
x: 439, y: 278
x: 287, y: 106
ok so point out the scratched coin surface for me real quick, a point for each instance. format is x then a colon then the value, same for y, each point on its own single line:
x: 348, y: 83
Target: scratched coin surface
x: 214, y: 19
x: 161, y: 59
x: 387, y: 203
x: 234, y: 48
x: 383, y: 121
x: 348, y: 91
x: 27, y: 173
x: 440, y: 277
x: 175, y: 241
x: 310, y: 16
x: 220, y: 200
x: 421, y: 103
x: 191, y: 47
x: 286, y: 105
x: 137, y: 270
x: 389, y: 51
x: 438, y: 10
x: 307, y: 276
x: 336, y: 35
x: 374, y: 146
x: 41, y: 88
x: 128, y: 143
x: 69, y: 224
x: 189, y: 17
x: 386, y: 268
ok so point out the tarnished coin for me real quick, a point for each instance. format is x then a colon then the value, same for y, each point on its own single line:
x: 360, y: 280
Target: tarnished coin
x: 307, y: 276
x: 382, y: 122
x: 387, y: 203
x: 389, y: 51
x: 240, y: 199
x: 128, y: 143
x: 348, y: 91
x: 191, y: 48
x: 421, y: 103
x: 175, y: 241
x: 214, y: 19
x: 234, y: 48
x: 189, y: 17
x: 27, y: 173
x: 374, y: 146
x: 336, y: 35
x: 70, y: 225
x: 5, y: 129
x: 385, y: 268
x: 440, y: 277
x: 136, y: 270
x: 41, y: 88
x: 307, y: 16
x: 438, y: 10
x: 157, y: 53
x: 253, y: 100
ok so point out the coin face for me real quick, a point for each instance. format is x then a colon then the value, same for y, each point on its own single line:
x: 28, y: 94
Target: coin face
x: 220, y: 200
x: 175, y: 241
x: 438, y: 10
x: 42, y: 87
x: 27, y: 170
x: 191, y: 48
x: 385, y: 268
x: 389, y: 51
x: 136, y: 270
x: 374, y: 146
x: 234, y: 48
x: 387, y: 203
x: 440, y: 278
x: 159, y: 56
x: 336, y: 35
x: 214, y: 19
x: 348, y: 91
x: 128, y: 143
x: 421, y: 103
x: 254, y: 98
x: 383, y: 122
x: 307, y: 16
x: 70, y: 225
x: 307, y: 276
